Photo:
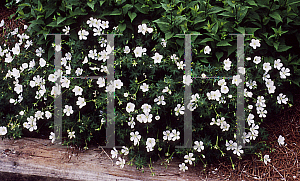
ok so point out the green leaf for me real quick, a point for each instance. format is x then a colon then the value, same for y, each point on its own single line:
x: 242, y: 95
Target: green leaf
x: 251, y: 2
x: 164, y: 26
x: 215, y: 10
x: 215, y: 28
x: 24, y: 4
x: 241, y: 30
x: 49, y: 12
x: 60, y: 19
x: 169, y: 35
x: 91, y: 5
x: 131, y: 15
x: 206, y: 40
x: 282, y: 48
x: 52, y: 24
x: 251, y: 30
x: 223, y: 43
x: 140, y: 9
x: 199, y: 19
x: 122, y: 27
x: 219, y: 55
x: 276, y: 16
x: 37, y: 22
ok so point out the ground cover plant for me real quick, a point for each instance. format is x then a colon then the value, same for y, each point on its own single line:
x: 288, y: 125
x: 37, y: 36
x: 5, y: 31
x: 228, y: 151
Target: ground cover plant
x: 149, y: 75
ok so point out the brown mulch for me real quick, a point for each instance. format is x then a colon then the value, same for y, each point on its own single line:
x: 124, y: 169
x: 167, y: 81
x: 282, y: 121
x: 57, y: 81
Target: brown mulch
x: 284, y: 163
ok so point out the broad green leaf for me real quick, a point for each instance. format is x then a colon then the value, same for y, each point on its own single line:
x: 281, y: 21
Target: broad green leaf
x: 49, y: 12
x: 199, y: 19
x: 219, y: 55
x: 276, y: 16
x: 164, y: 26
x: 251, y: 30
x: 140, y: 9
x: 52, y: 24
x: 60, y: 19
x: 126, y: 8
x: 228, y: 14
x: 241, y: 30
x: 37, y: 22
x: 206, y: 40
x: 91, y: 5
x: 223, y: 43
x: 131, y: 15
x: 215, y: 28
x: 24, y: 4
x: 167, y: 7
x: 251, y: 2
x: 215, y: 10
x: 169, y: 35
x: 122, y: 27
x: 282, y: 48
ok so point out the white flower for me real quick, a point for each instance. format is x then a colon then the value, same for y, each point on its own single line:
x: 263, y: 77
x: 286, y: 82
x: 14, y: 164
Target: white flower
x: 78, y: 71
x: 157, y: 117
x: 130, y: 107
x: 187, y: 79
x: 281, y: 140
x: 179, y: 109
x: 135, y: 137
x: 126, y: 50
x: 163, y: 42
x: 131, y: 123
x: 250, y: 119
x: 78, y: 90
x: 230, y: 145
x: 176, y: 135
x: 183, y: 167
x: 180, y: 65
x: 82, y: 34
x: 48, y: 114
x: 101, y: 82
x: 245, y: 137
x: 146, y: 108
x: 160, y: 100
x: 142, y: 29
x: 198, y: 146
x: 118, y: 84
x: 257, y: 59
x: 138, y: 51
x: 284, y: 72
x: 277, y: 64
x: 236, y: 80
x: 238, y: 150
x: 150, y: 30
x: 267, y: 159
x: 8, y: 58
x: 39, y: 52
x: 52, y: 137
x: 121, y: 162
x: 114, y: 153
x: 144, y: 87
x: 71, y: 134
x: 68, y: 110
x: 85, y: 60
x: 125, y: 150
x: 224, y: 89
x: 157, y: 58
x: 42, y: 62
x: 166, y: 89
x: 254, y: 43
x: 39, y: 115
x: 18, y: 88
x: 16, y: 49
x: 66, y: 30
x: 80, y: 102
x: 189, y: 158
x: 267, y: 66
x: 251, y: 84
x: 242, y: 70
x: 125, y: 94
x: 150, y: 143
x: 282, y: 99
x: 254, y: 128
x: 207, y: 50
x: 167, y: 135
x: 2, y: 23
x: 221, y: 82
x: 3, y: 130
x: 57, y: 48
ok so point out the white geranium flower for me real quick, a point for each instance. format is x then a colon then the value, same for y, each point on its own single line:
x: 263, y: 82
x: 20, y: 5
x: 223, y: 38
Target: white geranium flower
x: 138, y: 51
x: 126, y: 50
x: 183, y: 167
x: 179, y: 109
x: 114, y: 153
x: 267, y: 159
x: 236, y: 80
x: 52, y: 137
x: 254, y: 43
x: 284, y: 72
x: 277, y: 64
x: 135, y: 137
x: 282, y: 99
x: 198, y: 146
x: 144, y: 87
x: 66, y: 30
x: 82, y: 34
x: 48, y: 114
x: 121, y: 162
x: 42, y: 62
x: 150, y: 143
x: 267, y: 66
x: 81, y: 102
x: 257, y: 59
x: 189, y: 158
x: 281, y: 140
x: 160, y: 100
x: 187, y: 79
x: 68, y: 110
x: 142, y: 29
x: 125, y: 150
x: 101, y: 82
x: 157, y: 58
x: 130, y: 107
x: 207, y: 50
x: 71, y: 134
x: 16, y: 49
x: 3, y: 130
